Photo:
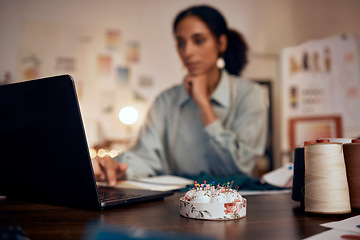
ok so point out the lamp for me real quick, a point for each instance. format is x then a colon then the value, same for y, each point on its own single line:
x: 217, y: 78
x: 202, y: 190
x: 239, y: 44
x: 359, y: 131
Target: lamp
x: 128, y: 115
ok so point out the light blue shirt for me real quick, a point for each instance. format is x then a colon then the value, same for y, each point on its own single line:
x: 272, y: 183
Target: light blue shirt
x: 173, y: 139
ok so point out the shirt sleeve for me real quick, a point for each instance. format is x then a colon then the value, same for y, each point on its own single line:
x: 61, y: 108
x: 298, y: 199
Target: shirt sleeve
x: 147, y: 157
x: 233, y: 150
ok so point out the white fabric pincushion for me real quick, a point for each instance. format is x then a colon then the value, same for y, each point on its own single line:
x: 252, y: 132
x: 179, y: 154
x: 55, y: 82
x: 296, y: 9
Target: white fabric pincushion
x: 222, y: 203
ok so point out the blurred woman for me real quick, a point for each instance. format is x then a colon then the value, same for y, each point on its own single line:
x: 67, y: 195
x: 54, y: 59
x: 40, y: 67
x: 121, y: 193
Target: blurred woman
x: 215, y: 122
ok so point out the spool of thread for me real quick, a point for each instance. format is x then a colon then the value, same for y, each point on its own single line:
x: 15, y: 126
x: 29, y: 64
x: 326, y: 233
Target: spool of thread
x: 352, y: 162
x: 326, y: 188
x: 338, y: 140
x: 298, y: 188
x: 298, y: 177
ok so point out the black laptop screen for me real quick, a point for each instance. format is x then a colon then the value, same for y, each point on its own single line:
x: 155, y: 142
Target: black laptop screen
x: 44, y: 153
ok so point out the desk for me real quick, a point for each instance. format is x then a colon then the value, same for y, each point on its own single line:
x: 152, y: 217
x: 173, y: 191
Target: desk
x: 268, y: 217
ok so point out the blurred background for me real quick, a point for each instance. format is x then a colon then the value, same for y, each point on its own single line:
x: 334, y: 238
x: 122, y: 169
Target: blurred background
x: 122, y: 54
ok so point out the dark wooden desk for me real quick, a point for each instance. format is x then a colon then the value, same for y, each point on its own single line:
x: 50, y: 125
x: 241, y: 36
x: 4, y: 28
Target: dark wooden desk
x: 268, y: 217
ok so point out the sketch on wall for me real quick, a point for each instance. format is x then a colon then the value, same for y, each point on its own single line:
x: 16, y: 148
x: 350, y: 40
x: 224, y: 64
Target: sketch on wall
x: 321, y: 77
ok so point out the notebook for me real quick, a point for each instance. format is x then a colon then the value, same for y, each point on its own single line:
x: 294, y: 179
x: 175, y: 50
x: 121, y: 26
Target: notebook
x: 44, y: 155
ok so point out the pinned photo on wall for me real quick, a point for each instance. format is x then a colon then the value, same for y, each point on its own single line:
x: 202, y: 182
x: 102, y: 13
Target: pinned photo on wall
x: 327, y: 59
x: 349, y: 57
x: 315, y: 62
x: 132, y: 52
x: 29, y: 66
x: 113, y: 39
x: 104, y: 63
x: 6, y: 78
x: 294, y: 66
x: 123, y: 74
x: 293, y: 97
x: 313, y: 99
x: 305, y: 61
x: 138, y: 96
x: 65, y: 64
x: 145, y: 83
x: 313, y: 127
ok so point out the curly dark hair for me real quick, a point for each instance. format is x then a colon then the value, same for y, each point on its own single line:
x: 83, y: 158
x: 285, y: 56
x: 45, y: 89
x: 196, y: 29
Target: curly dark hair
x: 235, y: 55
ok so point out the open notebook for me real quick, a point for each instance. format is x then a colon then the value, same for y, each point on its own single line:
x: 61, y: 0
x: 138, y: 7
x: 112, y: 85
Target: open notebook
x: 44, y: 152
x: 157, y: 183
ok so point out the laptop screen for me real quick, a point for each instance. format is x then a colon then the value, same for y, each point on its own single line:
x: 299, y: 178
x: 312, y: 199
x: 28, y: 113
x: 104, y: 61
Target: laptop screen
x: 44, y: 153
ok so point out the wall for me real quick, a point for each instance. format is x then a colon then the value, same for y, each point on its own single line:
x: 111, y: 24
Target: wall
x: 268, y: 25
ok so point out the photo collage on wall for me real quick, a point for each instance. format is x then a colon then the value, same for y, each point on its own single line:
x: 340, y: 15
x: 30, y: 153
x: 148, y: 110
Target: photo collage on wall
x: 105, y: 64
x: 48, y: 49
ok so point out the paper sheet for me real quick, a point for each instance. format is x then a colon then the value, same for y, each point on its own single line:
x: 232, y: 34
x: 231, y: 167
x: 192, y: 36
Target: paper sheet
x: 148, y: 186
x: 268, y: 192
x: 167, y: 180
x: 350, y: 224
x: 344, y: 229
x: 158, y: 183
x: 280, y: 177
x: 334, y: 234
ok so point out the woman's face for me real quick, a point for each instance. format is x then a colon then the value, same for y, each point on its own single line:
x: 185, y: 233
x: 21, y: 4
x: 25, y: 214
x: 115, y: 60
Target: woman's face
x: 197, y: 46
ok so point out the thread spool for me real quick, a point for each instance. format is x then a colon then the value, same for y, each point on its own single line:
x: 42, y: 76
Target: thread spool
x: 338, y: 140
x: 352, y: 162
x: 299, y: 174
x: 326, y: 188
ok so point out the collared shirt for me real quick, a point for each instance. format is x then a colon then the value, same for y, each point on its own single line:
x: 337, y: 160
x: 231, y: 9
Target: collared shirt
x: 173, y: 139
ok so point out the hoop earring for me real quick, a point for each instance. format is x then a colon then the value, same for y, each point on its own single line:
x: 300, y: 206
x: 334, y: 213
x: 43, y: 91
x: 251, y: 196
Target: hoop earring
x: 220, y: 63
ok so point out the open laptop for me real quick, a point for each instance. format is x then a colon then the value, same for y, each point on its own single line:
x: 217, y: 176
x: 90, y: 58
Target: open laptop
x: 44, y: 156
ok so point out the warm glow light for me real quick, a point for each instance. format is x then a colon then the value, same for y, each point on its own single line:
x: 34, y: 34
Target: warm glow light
x: 92, y: 153
x: 113, y: 153
x: 101, y: 152
x: 128, y: 115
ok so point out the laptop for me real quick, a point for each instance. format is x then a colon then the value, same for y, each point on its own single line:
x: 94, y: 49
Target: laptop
x: 44, y: 155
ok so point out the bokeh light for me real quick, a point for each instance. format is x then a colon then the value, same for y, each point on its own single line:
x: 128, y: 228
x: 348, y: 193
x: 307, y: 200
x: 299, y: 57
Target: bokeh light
x: 128, y: 115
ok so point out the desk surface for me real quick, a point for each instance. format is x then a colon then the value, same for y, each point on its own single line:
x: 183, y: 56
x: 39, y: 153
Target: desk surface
x: 268, y: 217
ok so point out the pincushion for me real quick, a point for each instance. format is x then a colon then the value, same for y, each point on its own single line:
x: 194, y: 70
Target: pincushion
x: 207, y: 202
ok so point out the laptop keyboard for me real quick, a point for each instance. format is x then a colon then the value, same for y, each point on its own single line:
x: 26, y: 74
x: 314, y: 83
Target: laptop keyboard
x: 110, y: 194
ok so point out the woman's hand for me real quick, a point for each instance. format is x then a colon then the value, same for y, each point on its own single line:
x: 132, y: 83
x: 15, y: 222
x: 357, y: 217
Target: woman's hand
x: 197, y: 87
x: 107, y: 169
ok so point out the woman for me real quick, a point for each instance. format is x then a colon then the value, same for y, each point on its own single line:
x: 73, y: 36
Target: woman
x: 214, y: 122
